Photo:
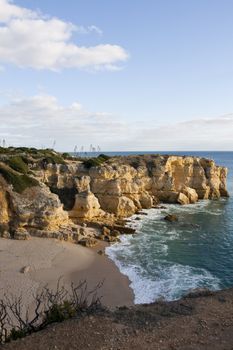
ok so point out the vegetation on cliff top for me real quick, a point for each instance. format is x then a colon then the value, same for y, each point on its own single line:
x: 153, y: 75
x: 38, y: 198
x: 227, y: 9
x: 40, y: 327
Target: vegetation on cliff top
x: 96, y: 161
x: 18, y: 164
x: 19, y: 181
x: 20, y: 158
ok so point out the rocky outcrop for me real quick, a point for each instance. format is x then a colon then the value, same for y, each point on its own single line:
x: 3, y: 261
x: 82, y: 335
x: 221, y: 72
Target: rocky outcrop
x: 125, y: 185
x: 86, y: 206
x: 38, y: 208
x: 36, y: 212
x: 4, y: 210
x: 64, y: 195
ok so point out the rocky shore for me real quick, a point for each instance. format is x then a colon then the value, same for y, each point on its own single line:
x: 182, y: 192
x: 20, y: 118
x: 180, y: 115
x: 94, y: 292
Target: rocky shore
x: 46, y: 194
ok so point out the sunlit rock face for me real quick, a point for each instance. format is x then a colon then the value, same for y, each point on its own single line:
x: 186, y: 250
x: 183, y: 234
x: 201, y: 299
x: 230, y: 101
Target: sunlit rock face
x: 36, y: 211
x: 68, y: 194
x: 123, y: 185
x: 86, y: 206
x: 145, y: 180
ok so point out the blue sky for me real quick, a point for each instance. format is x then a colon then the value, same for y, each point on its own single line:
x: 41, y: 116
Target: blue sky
x: 172, y: 89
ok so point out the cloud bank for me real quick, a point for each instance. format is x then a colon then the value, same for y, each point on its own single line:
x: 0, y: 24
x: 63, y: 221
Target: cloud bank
x: 31, y: 39
x: 41, y: 119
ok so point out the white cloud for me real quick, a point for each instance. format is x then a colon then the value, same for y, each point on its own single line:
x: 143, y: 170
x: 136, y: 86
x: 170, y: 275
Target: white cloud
x: 198, y: 134
x: 41, y: 119
x: 9, y: 11
x: 30, y: 39
x: 89, y: 29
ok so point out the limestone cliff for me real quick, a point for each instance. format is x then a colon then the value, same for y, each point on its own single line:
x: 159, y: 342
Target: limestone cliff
x: 44, y: 197
x: 124, y: 185
x: 36, y: 212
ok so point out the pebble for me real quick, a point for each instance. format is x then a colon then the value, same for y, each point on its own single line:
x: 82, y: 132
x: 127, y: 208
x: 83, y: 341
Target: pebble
x: 26, y: 269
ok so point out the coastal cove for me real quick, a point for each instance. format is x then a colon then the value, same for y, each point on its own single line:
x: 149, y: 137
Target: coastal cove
x: 116, y: 175
x: 166, y: 260
x: 60, y: 213
x: 91, y: 201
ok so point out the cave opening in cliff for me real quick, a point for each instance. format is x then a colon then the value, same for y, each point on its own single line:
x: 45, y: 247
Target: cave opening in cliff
x: 66, y: 196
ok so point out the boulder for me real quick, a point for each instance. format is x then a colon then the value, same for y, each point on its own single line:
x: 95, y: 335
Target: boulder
x: 145, y: 200
x: 121, y: 206
x: 171, y: 218
x: 191, y: 194
x: 88, y: 242
x: 86, y: 206
x: 106, y: 231
x: 182, y: 199
x: 115, y: 233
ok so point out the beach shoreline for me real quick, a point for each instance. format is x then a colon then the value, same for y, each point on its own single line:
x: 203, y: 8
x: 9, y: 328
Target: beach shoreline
x: 45, y: 261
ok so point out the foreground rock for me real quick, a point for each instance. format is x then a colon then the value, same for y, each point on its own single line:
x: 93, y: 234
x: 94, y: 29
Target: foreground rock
x: 202, y: 322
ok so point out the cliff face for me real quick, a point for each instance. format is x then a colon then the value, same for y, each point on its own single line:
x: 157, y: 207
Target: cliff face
x: 124, y: 185
x: 60, y: 196
x: 36, y: 212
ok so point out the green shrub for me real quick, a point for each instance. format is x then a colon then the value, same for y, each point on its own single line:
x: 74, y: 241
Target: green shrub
x: 19, y: 182
x: 135, y: 164
x: 91, y: 162
x: 66, y: 155
x: 18, y: 164
x: 22, y: 149
x: 53, y: 159
x: 33, y: 153
x: 104, y: 156
x: 16, y: 334
x: 4, y: 150
x: 60, y: 312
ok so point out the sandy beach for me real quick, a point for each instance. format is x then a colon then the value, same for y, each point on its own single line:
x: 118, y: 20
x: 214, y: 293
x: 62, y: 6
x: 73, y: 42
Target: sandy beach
x: 48, y: 260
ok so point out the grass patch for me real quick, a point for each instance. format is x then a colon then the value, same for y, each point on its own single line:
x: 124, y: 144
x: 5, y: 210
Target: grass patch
x: 18, y: 164
x: 18, y: 181
x: 47, y: 154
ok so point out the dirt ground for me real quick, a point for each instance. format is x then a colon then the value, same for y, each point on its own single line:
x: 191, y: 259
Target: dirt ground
x: 202, y: 321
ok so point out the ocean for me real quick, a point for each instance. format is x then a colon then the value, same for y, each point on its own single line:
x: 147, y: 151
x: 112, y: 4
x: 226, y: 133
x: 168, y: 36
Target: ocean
x: 167, y: 260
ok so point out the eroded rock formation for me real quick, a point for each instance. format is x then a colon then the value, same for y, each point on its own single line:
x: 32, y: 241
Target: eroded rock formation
x: 70, y: 193
x: 126, y: 184
x: 36, y: 212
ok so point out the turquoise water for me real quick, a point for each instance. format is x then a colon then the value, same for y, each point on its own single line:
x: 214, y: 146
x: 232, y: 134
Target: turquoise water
x: 168, y: 259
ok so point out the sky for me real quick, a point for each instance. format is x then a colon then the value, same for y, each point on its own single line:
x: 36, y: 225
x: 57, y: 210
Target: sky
x: 123, y: 75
